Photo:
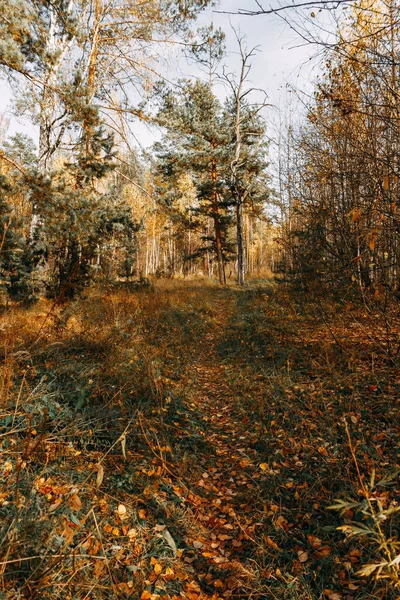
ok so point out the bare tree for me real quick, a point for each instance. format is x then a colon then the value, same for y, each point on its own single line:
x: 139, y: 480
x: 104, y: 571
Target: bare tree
x: 245, y: 126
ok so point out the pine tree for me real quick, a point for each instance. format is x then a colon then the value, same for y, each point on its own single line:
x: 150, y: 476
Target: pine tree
x: 196, y: 142
x: 222, y: 147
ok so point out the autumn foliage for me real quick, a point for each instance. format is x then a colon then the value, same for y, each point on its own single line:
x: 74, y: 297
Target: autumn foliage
x: 184, y: 441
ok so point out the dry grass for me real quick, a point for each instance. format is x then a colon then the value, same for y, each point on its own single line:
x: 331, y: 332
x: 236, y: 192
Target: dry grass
x: 107, y: 425
x: 73, y: 382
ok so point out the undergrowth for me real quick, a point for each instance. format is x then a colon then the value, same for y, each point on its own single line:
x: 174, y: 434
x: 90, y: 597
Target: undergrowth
x: 307, y: 375
x: 117, y: 483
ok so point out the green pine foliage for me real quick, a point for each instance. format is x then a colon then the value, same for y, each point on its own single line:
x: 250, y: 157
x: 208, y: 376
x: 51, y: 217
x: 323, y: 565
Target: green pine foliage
x: 200, y: 140
x: 196, y: 142
x: 15, y: 268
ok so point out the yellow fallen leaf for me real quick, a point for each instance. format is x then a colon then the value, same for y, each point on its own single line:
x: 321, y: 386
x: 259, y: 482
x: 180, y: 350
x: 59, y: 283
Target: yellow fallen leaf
x: 157, y: 569
x: 132, y: 534
x: 264, y: 467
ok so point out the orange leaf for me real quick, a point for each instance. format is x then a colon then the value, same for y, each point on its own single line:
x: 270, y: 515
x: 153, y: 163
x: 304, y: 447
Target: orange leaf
x: 272, y: 544
x: 68, y: 532
x: 146, y: 595
x: 386, y: 183
x: 98, y: 568
x: 75, y: 502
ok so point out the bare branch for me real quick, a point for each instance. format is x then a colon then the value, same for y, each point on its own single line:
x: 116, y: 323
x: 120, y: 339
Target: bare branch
x: 317, y: 4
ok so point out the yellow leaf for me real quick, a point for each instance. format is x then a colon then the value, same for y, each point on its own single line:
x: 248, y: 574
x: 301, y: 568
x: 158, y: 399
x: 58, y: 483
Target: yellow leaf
x: 157, y: 569
x: 132, y: 534
x: 142, y: 513
x: 368, y: 569
x: 264, y: 466
x: 146, y: 595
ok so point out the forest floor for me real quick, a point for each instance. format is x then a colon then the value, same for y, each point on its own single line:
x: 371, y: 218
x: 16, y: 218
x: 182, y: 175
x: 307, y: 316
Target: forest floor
x: 187, y: 442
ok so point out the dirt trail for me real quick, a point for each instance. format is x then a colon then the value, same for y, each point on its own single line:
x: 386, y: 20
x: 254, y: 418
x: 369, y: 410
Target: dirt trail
x: 227, y: 484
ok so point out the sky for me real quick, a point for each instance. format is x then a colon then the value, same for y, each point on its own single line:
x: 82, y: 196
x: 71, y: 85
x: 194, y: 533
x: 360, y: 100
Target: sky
x: 283, y: 67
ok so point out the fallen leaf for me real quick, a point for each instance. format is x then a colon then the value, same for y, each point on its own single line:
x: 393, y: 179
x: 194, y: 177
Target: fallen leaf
x: 123, y: 445
x: 302, y: 556
x: 100, y: 475
x: 98, y: 568
x: 170, y: 541
x: 75, y: 502
x: 272, y: 544
x: 68, y: 532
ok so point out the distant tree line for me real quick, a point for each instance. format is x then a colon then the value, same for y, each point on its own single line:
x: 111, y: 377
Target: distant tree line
x: 84, y: 204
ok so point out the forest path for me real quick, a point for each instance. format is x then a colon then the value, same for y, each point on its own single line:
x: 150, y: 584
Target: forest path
x: 227, y: 488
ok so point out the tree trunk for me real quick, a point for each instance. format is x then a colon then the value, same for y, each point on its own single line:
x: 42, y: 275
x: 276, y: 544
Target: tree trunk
x: 217, y: 227
x: 239, y: 240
